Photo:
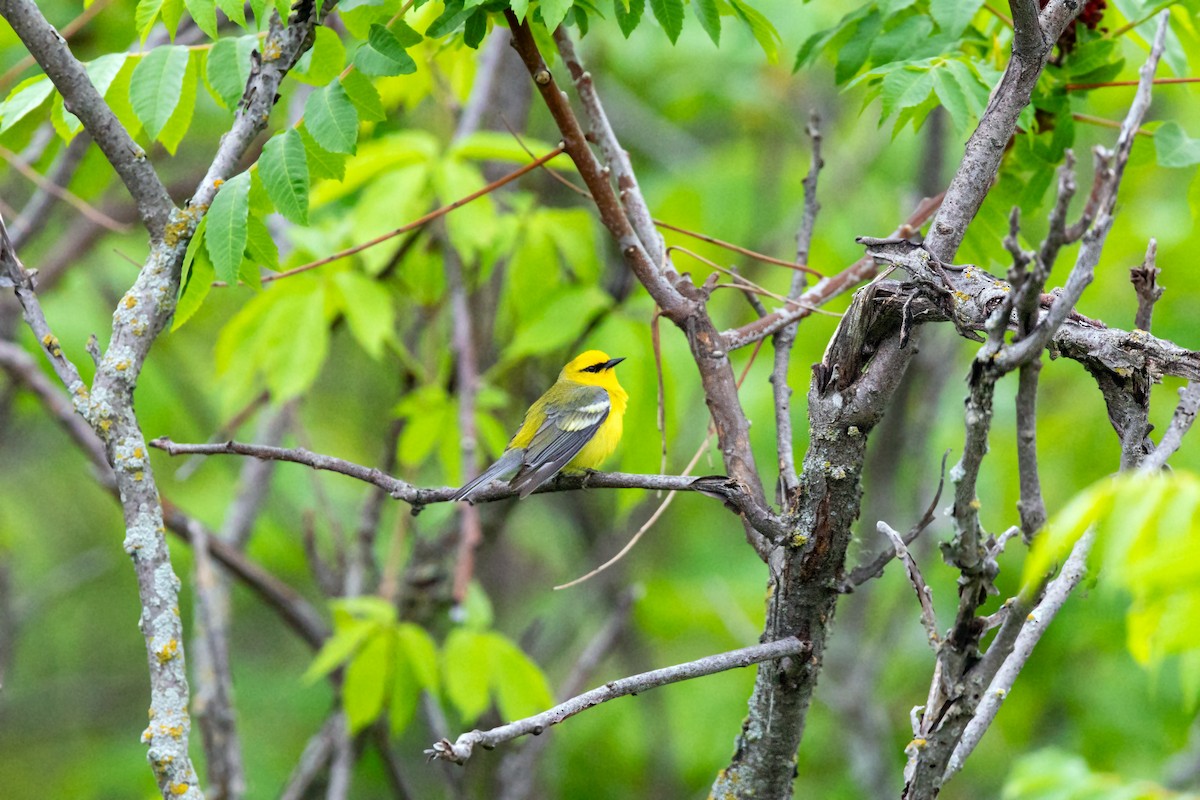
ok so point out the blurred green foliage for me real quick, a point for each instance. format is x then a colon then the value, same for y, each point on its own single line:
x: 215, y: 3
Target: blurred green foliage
x: 716, y: 136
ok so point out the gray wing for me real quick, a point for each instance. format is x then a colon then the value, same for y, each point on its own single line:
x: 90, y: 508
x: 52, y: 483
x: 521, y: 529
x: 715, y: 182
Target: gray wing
x: 561, y: 437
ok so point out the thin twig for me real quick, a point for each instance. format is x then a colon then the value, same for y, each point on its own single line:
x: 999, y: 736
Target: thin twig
x: 66, y: 195
x: 417, y: 223
x: 924, y: 593
x: 1075, y: 87
x: 1181, y: 422
x: 459, y: 751
x: 797, y: 265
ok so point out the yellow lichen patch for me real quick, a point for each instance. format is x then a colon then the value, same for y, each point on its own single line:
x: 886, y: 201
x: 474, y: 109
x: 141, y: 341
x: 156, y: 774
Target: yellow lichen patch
x: 139, y: 475
x: 130, y: 301
x: 146, y: 735
x: 799, y: 540
x: 918, y: 743
x: 180, y: 788
x: 975, y: 504
x: 218, y: 183
x: 138, y: 453
x: 168, y: 651
x: 174, y: 731
x: 122, y: 366
x: 105, y: 424
x: 271, y: 51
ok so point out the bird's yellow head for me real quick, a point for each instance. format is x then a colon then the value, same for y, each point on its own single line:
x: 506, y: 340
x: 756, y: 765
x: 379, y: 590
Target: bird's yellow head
x: 594, y: 368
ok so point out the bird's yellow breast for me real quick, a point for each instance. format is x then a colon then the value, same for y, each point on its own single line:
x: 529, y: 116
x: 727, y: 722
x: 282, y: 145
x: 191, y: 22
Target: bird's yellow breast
x: 603, y: 443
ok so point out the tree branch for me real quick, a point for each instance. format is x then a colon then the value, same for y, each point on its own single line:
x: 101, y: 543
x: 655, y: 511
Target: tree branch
x: 789, y: 481
x: 459, y: 751
x: 81, y: 99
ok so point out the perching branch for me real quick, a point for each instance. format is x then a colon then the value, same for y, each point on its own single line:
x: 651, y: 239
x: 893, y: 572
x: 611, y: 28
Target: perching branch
x: 460, y: 750
x: 717, y: 486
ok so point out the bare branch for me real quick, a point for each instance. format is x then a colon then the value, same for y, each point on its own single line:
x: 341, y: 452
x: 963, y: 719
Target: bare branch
x: 924, y: 593
x: 615, y: 156
x: 827, y: 288
x: 1145, y: 282
x: 715, y: 486
x: 789, y: 482
x: 1035, y: 625
x: 1181, y: 422
x: 459, y: 751
x: 1031, y: 49
x: 81, y: 98
x: 518, y: 768
x: 596, y: 177
x: 873, y: 569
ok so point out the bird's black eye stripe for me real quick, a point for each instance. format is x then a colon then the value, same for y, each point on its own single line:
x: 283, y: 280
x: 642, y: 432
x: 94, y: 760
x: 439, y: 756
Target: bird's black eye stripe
x: 596, y: 367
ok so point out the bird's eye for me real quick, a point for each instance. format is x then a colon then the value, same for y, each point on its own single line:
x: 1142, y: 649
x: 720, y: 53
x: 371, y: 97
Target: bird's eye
x: 595, y: 367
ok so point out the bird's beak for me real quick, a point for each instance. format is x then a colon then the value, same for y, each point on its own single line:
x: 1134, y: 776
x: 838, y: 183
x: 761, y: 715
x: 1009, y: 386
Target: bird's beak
x: 612, y: 362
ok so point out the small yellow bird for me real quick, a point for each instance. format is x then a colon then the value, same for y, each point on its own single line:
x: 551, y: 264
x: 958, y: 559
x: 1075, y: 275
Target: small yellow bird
x: 574, y: 426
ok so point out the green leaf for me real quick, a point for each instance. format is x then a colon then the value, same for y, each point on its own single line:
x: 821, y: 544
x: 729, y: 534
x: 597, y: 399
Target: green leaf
x: 475, y: 28
x: 764, y: 32
x: 384, y: 54
x: 25, y: 98
x: 157, y: 86
x: 432, y: 407
x: 323, y: 61
x: 953, y: 98
x: 365, y: 688
x: 520, y: 9
x: 204, y: 12
x: 144, y: 17
x: 261, y: 251
x: 422, y: 654
x: 561, y: 321
x: 228, y: 68
x: 369, y: 311
x: 450, y: 19
x: 366, y: 607
x: 198, y: 276
x: 520, y: 685
x: 1173, y: 146
x: 903, y: 88
x: 176, y: 126
x: 554, y: 12
x: 321, y: 162
x: 953, y: 16
x: 405, y: 694
x: 362, y: 92
x: 467, y: 673
x: 853, y: 53
x: 235, y: 10
x: 710, y: 18
x: 297, y: 340
x: 338, y: 648
x: 669, y: 14
x: 172, y: 13
x: 283, y: 168
x: 898, y: 42
x: 226, y: 239
x: 628, y: 18
x: 405, y: 34
x: 331, y: 119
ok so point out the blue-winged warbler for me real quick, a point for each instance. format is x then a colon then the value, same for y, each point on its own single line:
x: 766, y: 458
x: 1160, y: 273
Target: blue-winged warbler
x: 574, y: 426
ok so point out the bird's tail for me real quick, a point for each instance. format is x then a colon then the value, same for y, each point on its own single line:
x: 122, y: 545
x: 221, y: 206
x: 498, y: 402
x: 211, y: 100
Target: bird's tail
x: 506, y: 466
